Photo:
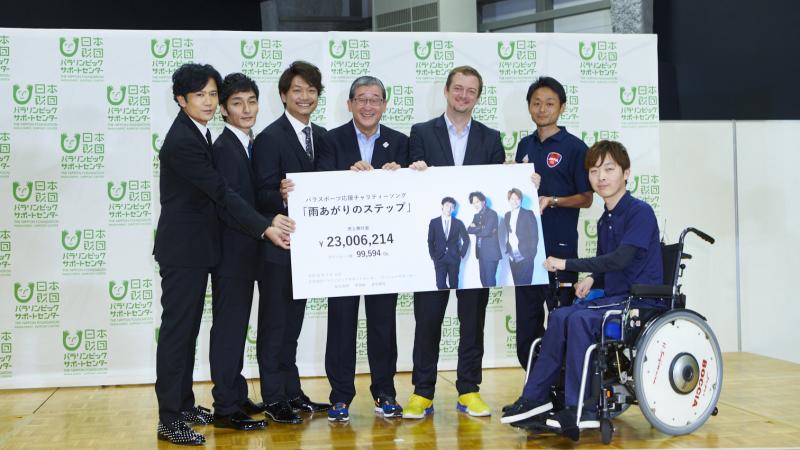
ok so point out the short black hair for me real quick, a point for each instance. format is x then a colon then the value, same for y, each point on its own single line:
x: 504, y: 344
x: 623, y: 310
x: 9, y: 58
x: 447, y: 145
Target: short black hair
x: 235, y: 83
x: 449, y: 200
x: 478, y: 194
x: 193, y: 77
x: 305, y: 70
x: 548, y: 82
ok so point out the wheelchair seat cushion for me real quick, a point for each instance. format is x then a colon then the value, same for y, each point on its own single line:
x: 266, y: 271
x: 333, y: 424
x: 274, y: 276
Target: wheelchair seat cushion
x: 651, y: 290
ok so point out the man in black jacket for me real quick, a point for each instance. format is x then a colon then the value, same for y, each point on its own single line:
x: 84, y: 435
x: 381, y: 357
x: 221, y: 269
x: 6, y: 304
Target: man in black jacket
x: 452, y: 139
x: 287, y: 145
x: 187, y: 245
x: 363, y: 144
x: 233, y: 279
x: 522, y: 239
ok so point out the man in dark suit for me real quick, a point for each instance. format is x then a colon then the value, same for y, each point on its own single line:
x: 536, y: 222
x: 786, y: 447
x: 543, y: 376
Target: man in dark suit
x: 363, y: 144
x: 287, y: 145
x: 233, y: 279
x: 522, y: 239
x: 187, y: 245
x: 448, y: 242
x: 452, y: 139
x: 487, y: 247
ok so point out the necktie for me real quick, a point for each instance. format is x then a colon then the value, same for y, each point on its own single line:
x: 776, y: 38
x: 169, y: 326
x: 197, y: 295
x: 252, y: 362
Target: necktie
x: 446, y: 228
x: 250, y: 145
x: 309, y: 147
x: 208, y: 137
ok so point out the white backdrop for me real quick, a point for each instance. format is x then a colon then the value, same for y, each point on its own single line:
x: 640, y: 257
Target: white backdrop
x: 84, y: 114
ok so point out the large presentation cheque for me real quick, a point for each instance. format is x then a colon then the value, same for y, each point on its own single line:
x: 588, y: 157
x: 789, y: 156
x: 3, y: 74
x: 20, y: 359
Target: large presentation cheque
x: 402, y: 231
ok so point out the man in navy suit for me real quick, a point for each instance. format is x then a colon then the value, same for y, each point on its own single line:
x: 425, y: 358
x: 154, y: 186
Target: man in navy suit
x: 287, y: 145
x: 522, y: 239
x: 452, y: 139
x: 487, y: 247
x: 233, y: 279
x: 448, y: 242
x: 358, y: 145
x: 187, y: 245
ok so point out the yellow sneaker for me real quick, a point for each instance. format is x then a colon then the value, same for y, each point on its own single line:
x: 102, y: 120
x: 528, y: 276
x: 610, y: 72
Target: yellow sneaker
x: 418, y: 407
x: 473, y: 405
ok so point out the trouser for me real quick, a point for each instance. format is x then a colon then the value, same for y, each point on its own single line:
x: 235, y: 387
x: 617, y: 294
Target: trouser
x: 340, y: 349
x: 280, y: 319
x: 429, y: 309
x: 232, y: 302
x: 488, y: 272
x: 183, y: 293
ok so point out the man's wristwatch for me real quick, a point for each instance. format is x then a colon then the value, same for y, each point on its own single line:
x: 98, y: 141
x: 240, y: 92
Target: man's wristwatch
x: 555, y: 202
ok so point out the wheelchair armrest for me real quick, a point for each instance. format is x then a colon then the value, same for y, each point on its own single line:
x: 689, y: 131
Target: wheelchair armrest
x: 651, y: 290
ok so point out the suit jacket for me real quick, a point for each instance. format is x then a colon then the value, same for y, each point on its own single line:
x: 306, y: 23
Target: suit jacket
x: 430, y: 142
x: 450, y: 248
x: 526, y: 230
x: 339, y: 150
x: 484, y: 227
x: 240, y: 252
x: 192, y: 190
x: 276, y: 152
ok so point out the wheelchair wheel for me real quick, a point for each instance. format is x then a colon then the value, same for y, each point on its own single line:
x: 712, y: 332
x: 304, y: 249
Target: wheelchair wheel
x: 677, y: 372
x: 606, y: 431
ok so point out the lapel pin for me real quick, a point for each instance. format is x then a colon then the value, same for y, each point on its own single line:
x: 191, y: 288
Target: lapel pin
x: 385, y: 145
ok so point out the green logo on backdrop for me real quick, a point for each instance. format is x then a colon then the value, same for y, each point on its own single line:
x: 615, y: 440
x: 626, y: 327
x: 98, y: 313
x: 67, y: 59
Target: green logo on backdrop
x: 159, y: 49
x: 590, y: 229
x: 68, y: 48
x: 23, y: 294
x: 22, y: 99
x: 22, y: 193
x: 116, y: 193
x: 114, y: 97
x: 587, y: 51
x: 422, y: 52
x: 505, y: 52
x: 509, y: 140
x: 71, y: 343
x: 69, y: 241
x: 511, y: 324
x: 116, y: 291
x: 337, y: 50
x: 68, y: 144
x: 156, y: 143
x: 245, y: 48
x: 627, y: 98
x: 252, y: 335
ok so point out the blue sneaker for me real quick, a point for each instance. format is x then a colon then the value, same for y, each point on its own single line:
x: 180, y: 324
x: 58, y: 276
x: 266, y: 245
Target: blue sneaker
x: 339, y: 413
x: 387, y: 406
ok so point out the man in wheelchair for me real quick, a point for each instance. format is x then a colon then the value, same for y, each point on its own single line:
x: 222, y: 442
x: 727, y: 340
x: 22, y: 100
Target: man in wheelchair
x: 628, y: 253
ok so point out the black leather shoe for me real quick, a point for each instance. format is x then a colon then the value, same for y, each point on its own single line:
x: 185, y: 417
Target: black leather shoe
x: 198, y: 415
x: 179, y: 433
x: 251, y: 408
x: 304, y: 404
x: 281, y: 412
x: 238, y: 421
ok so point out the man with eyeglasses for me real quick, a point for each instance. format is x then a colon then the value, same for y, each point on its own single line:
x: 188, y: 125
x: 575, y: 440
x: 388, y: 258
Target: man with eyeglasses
x: 363, y: 144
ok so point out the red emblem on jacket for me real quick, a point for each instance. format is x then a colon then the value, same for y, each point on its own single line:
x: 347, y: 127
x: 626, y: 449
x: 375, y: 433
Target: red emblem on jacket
x: 553, y: 159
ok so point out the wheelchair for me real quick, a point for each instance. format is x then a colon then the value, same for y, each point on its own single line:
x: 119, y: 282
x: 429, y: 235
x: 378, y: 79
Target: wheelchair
x: 665, y: 359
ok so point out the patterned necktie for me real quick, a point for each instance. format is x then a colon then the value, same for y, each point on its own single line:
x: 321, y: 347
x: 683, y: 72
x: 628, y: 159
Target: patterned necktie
x: 208, y: 137
x: 250, y: 145
x: 309, y: 147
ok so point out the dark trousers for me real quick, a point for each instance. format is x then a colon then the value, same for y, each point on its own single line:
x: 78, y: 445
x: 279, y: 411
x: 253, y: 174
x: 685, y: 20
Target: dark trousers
x: 530, y: 303
x: 521, y: 271
x: 280, y: 320
x: 340, y: 350
x: 183, y: 292
x: 429, y: 309
x: 232, y: 300
x: 488, y: 271
x: 447, y: 270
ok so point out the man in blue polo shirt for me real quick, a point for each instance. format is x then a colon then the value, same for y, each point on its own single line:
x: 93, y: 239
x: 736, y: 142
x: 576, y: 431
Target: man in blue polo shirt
x: 628, y: 252
x: 563, y: 187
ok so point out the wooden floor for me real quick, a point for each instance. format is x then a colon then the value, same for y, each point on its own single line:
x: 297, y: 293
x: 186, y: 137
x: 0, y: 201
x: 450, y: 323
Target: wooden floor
x: 759, y: 408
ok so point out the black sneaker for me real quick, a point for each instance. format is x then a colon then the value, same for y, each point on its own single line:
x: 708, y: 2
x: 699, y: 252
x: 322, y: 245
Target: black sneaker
x: 281, y: 412
x: 566, y: 421
x: 387, y: 406
x: 523, y: 409
x: 179, y: 433
x: 198, y: 415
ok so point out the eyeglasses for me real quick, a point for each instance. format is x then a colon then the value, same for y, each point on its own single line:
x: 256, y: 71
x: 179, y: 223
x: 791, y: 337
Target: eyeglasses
x: 371, y: 101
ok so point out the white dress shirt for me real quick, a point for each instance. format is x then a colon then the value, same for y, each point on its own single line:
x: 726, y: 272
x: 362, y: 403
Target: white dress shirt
x: 458, y: 143
x: 298, y: 130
